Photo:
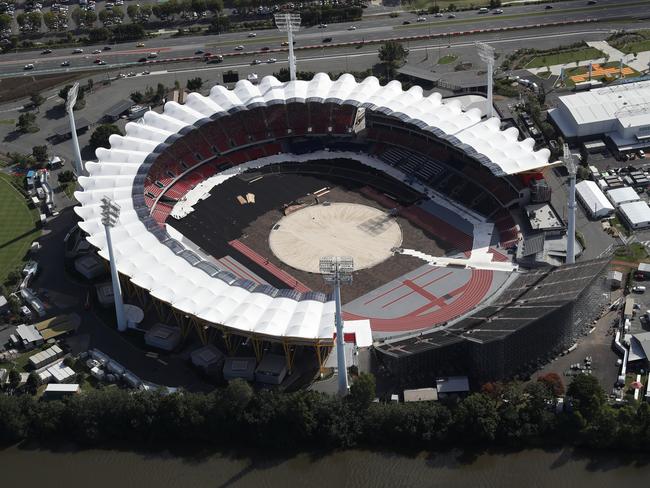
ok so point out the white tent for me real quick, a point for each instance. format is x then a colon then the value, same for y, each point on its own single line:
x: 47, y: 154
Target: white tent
x: 593, y: 199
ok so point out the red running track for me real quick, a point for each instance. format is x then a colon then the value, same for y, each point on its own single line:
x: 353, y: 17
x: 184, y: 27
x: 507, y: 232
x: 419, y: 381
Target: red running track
x: 270, y: 267
x: 468, y: 296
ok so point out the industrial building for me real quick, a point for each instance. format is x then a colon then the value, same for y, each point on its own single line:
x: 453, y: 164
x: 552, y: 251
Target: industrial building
x: 619, y: 115
x: 593, y: 200
x: 635, y: 214
x: 622, y: 195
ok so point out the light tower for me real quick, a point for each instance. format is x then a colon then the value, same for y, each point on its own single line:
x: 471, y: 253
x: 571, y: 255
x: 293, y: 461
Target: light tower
x: 289, y: 23
x: 570, y: 164
x: 69, y: 106
x: 486, y: 53
x: 110, y: 216
x: 338, y: 271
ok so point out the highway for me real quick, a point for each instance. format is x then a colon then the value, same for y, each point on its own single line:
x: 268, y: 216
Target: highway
x: 373, y: 27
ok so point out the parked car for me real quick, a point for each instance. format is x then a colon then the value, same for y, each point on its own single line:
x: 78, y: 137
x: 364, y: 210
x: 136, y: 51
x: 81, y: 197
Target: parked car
x: 271, y: 60
x: 638, y: 289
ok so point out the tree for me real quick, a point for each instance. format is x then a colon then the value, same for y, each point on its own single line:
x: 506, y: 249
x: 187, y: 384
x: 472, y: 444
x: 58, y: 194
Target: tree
x: 194, y: 84
x: 33, y: 382
x: 27, y: 123
x: 100, y: 136
x: 35, y: 19
x: 392, y: 53
x: 65, y: 176
x: 51, y: 20
x: 362, y: 391
x: 137, y: 97
x: 14, y: 379
x: 553, y: 382
x: 477, y: 417
x: 495, y: 3
x: 587, y: 396
x: 37, y: 100
x: 5, y: 21
x: 40, y: 153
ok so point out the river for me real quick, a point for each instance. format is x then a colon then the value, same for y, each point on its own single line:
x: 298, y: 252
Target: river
x: 72, y: 468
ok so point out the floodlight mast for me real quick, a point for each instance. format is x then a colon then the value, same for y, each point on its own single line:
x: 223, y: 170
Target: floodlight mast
x: 486, y: 53
x: 110, y: 216
x: 338, y: 271
x: 69, y: 106
x: 570, y: 165
x: 289, y: 23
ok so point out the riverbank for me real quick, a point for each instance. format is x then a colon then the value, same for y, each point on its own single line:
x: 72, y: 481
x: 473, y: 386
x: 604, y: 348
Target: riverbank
x: 347, y: 468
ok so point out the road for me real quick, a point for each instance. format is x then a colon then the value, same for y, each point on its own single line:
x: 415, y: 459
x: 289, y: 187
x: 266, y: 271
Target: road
x: 371, y: 28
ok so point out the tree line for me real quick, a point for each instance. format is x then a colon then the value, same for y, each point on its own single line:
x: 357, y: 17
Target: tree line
x: 512, y: 414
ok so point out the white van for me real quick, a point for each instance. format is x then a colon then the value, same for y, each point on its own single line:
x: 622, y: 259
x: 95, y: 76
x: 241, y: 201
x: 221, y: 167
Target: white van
x: 152, y: 55
x: 483, y: 10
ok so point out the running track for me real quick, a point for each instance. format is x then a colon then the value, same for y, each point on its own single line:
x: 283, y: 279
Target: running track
x: 467, y: 297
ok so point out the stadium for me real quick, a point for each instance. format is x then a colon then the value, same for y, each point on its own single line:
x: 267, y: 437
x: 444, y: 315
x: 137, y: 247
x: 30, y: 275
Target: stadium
x: 228, y: 201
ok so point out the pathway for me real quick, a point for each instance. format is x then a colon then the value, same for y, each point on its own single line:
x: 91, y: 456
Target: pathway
x: 640, y: 63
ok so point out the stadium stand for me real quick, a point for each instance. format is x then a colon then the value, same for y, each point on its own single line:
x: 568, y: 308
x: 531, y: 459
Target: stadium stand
x: 534, y: 319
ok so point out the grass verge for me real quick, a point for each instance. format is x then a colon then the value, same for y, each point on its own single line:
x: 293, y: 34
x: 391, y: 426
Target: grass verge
x: 17, y: 228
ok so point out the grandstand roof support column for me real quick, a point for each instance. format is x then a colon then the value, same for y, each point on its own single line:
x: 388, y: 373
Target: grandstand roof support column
x: 338, y: 271
x: 289, y: 354
x: 69, y: 106
x: 110, y: 216
x: 486, y: 53
x: 571, y: 224
x: 289, y: 23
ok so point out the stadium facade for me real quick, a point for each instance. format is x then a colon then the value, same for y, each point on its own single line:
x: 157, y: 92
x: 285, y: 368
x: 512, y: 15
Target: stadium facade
x: 165, y: 155
x: 541, y: 314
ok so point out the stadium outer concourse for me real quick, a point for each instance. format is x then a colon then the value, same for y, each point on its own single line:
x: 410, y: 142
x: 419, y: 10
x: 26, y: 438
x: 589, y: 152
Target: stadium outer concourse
x: 163, y: 157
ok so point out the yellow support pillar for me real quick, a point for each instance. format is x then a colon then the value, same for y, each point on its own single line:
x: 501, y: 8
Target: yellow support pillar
x: 257, y: 347
x: 289, y: 354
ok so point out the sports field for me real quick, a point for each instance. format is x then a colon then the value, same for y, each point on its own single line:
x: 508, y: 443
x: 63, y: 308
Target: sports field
x: 17, y: 228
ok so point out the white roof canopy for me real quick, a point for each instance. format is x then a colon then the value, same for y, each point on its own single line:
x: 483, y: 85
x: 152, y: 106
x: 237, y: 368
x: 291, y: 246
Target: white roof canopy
x: 154, y: 266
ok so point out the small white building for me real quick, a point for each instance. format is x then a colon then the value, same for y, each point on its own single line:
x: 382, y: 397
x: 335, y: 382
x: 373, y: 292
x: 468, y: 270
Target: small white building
x: 622, y: 195
x: 593, y: 199
x: 56, y: 391
x: 29, y: 336
x: 635, y: 214
x: 421, y: 395
x: 42, y: 358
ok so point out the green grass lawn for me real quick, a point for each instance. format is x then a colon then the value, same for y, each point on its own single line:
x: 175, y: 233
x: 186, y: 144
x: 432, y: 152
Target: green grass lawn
x: 449, y: 58
x: 633, y: 253
x: 17, y: 227
x: 565, y: 57
x: 635, y: 47
x: 69, y: 188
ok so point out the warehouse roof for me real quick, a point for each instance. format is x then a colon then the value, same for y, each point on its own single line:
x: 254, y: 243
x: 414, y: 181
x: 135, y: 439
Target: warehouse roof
x: 636, y: 212
x: 593, y: 197
x: 622, y: 195
x: 612, y: 102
